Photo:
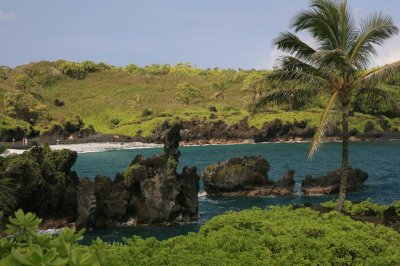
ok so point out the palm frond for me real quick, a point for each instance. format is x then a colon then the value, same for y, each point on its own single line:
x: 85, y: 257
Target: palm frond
x: 379, y: 74
x: 325, y: 122
x: 321, y: 21
x: 290, y: 43
x: 374, y: 30
x: 332, y: 60
x: 299, y: 94
x: 293, y: 69
x: 348, y: 32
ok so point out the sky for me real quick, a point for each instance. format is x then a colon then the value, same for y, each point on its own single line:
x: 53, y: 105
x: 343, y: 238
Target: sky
x: 207, y: 33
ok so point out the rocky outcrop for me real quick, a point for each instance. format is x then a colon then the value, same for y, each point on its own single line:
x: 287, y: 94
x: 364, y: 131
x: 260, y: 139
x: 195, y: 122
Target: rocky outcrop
x: 330, y: 183
x: 276, y: 129
x: 86, y: 198
x: 236, y: 174
x: 149, y: 191
x: 205, y: 131
x: 245, y: 176
x: 44, y: 182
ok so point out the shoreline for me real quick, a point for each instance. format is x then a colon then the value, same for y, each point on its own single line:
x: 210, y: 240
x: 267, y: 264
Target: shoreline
x: 101, y: 146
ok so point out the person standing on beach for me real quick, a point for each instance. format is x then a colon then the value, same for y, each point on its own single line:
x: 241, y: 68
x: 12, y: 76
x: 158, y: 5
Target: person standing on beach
x: 57, y: 141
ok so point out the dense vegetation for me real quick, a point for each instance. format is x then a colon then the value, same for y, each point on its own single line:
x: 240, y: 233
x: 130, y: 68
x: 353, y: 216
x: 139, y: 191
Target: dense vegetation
x: 44, y: 96
x: 27, y: 247
x: 279, y: 236
x: 366, y: 207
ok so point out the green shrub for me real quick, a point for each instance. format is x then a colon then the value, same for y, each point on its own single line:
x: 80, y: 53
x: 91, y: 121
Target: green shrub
x: 5, y: 72
x: 366, y: 207
x: 131, y: 68
x: 23, y: 105
x: 27, y: 247
x: 23, y: 81
x: 172, y: 163
x: 73, y: 124
x: 130, y: 172
x: 156, y: 69
x: 73, y: 70
x: 280, y: 236
x: 113, y: 122
x: 146, y: 112
x: 80, y: 70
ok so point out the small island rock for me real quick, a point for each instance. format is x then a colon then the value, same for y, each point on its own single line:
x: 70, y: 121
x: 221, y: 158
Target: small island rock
x: 330, y: 183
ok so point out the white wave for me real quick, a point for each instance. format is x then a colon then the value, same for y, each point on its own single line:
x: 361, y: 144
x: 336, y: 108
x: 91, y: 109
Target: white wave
x: 106, y: 146
x: 52, y: 232
x: 184, y: 144
x: 96, y: 147
x: 202, y: 194
x: 12, y: 151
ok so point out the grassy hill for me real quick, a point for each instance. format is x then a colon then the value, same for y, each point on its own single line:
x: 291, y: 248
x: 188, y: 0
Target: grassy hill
x: 133, y: 100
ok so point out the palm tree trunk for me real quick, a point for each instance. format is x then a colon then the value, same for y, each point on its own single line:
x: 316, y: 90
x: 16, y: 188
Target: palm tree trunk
x: 345, y: 156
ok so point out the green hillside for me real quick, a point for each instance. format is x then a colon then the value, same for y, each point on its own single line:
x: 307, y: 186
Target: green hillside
x: 130, y: 100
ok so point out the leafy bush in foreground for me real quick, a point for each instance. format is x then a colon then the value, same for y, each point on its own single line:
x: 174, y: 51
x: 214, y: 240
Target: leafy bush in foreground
x: 29, y: 248
x: 280, y: 236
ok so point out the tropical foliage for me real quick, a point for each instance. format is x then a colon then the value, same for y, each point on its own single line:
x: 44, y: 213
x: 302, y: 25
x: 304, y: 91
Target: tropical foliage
x: 27, y: 247
x: 366, y: 207
x: 337, y: 65
x: 80, y: 70
x: 277, y: 236
x: 107, y: 92
x: 221, y: 89
x: 280, y: 236
x: 255, y: 84
x: 7, y: 195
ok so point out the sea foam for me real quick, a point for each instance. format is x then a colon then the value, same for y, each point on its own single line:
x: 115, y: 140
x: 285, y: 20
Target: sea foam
x: 96, y: 147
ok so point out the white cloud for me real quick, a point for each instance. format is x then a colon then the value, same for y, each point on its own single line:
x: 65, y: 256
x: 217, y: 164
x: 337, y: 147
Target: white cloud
x: 6, y: 15
x: 388, y: 53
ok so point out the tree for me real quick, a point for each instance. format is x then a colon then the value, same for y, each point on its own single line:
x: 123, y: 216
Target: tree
x: 187, y: 93
x: 221, y: 88
x: 339, y: 65
x: 23, y: 105
x: 23, y: 81
x: 5, y: 72
x: 255, y: 84
x: 7, y: 195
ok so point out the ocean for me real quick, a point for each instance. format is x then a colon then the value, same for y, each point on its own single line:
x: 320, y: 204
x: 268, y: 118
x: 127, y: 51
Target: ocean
x: 381, y: 159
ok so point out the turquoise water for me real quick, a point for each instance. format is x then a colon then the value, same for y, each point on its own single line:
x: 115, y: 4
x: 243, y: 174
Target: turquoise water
x: 381, y: 159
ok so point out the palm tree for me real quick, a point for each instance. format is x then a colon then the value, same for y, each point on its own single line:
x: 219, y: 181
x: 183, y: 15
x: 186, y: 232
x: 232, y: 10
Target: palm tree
x: 255, y: 84
x: 221, y: 89
x: 338, y: 63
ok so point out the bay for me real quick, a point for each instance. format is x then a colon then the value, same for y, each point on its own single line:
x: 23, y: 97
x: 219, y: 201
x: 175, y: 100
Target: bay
x: 381, y: 159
